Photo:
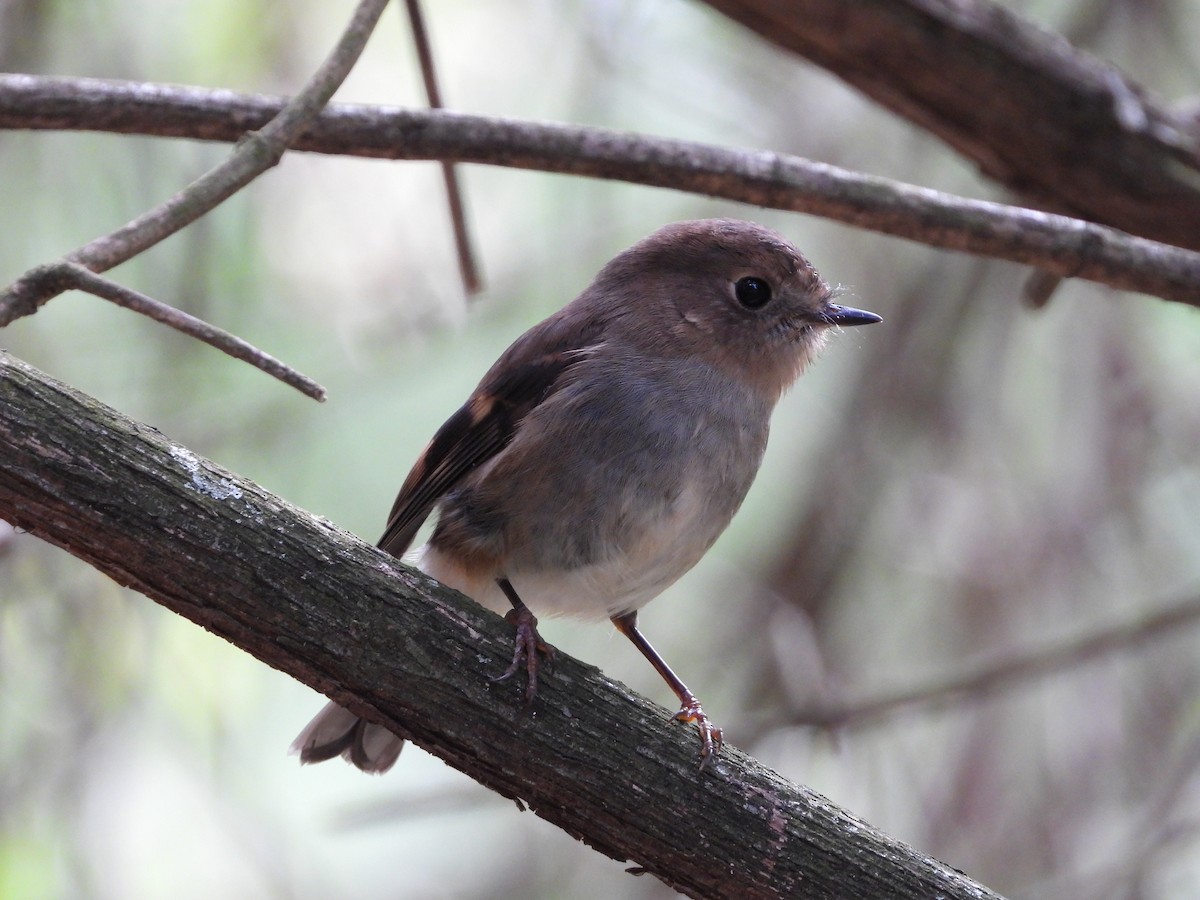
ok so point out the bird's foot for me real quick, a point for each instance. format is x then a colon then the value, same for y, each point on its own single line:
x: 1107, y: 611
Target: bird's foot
x: 711, y: 739
x: 528, y: 650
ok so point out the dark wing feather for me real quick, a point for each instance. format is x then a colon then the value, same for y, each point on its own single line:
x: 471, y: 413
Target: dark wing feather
x: 477, y: 432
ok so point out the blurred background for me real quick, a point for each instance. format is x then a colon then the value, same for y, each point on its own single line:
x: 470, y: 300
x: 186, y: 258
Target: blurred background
x: 970, y: 488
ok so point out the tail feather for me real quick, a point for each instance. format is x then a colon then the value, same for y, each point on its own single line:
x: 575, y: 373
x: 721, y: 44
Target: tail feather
x: 335, y: 731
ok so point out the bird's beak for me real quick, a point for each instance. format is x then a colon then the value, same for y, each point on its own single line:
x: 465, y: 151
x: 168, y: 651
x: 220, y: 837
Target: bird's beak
x: 847, y: 315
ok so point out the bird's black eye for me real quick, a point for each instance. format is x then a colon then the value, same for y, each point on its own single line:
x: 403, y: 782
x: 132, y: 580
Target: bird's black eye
x: 752, y: 293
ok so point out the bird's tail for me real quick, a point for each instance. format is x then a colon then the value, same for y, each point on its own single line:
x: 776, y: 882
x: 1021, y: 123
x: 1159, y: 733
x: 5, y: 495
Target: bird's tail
x: 335, y: 731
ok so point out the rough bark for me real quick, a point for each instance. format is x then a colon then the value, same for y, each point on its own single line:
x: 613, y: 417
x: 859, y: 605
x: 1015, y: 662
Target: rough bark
x: 1061, y: 127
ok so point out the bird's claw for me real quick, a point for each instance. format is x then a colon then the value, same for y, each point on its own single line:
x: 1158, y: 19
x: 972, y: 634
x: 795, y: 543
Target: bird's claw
x: 711, y: 739
x: 528, y: 650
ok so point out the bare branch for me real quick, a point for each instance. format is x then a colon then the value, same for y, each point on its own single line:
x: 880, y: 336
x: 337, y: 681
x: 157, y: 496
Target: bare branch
x: 1059, y: 126
x: 55, y: 278
x: 1008, y: 673
x: 256, y: 152
x: 601, y: 762
x: 458, y: 218
x: 1062, y: 246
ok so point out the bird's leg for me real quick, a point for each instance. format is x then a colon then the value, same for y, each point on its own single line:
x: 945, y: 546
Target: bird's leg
x: 689, y: 706
x: 528, y: 647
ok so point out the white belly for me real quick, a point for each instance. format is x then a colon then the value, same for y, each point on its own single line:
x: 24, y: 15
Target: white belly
x: 618, y: 584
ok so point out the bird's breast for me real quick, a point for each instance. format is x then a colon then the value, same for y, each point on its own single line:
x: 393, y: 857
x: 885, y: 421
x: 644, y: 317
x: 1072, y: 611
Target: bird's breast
x: 610, y: 491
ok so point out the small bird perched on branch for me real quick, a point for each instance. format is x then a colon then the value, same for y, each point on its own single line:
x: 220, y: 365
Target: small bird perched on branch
x: 607, y: 449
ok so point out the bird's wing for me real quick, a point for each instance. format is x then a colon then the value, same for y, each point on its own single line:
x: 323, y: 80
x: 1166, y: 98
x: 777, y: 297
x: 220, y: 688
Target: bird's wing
x: 523, y: 378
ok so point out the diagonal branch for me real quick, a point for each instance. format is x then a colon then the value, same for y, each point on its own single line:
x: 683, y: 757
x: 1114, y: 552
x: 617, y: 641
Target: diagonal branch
x: 1007, y: 673
x: 64, y: 276
x: 305, y: 597
x: 255, y: 152
x: 1063, y: 246
x: 1067, y: 130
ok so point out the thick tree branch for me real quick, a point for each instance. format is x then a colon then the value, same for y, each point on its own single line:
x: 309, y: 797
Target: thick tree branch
x: 1051, y: 122
x: 1063, y: 246
x: 301, y: 595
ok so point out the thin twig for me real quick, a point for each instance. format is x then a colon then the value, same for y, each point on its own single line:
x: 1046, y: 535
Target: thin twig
x: 462, y: 239
x: 254, y: 154
x: 1061, y: 245
x: 71, y: 275
x: 1006, y: 673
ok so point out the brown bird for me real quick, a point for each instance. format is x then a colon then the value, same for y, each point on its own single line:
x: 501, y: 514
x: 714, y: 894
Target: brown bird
x: 607, y: 449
